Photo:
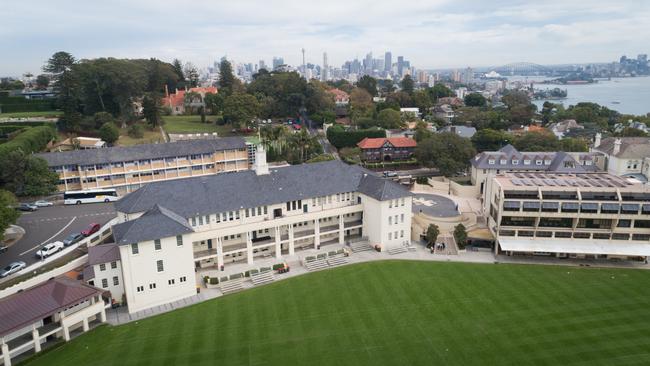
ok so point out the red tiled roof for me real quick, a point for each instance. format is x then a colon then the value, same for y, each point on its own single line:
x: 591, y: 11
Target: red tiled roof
x: 177, y: 99
x: 375, y: 143
x: 27, y: 307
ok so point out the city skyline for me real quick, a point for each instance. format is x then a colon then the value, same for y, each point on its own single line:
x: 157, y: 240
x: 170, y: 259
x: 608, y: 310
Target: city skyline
x: 436, y: 35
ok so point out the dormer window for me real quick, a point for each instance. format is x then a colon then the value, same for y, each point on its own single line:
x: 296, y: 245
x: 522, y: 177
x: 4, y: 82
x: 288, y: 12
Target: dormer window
x: 547, y: 162
x: 588, y: 162
x: 491, y: 161
x: 503, y: 162
x: 538, y: 162
x: 515, y: 161
x: 526, y: 162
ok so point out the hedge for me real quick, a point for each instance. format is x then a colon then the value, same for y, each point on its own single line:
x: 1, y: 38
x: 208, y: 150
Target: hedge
x: 30, y: 141
x: 8, y: 129
x: 278, y: 266
x: 214, y: 281
x: 340, y: 138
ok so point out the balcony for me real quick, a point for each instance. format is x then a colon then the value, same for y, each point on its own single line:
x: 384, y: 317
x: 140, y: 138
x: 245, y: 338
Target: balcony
x: 329, y: 228
x: 302, y: 234
x: 205, y: 254
x: 350, y: 224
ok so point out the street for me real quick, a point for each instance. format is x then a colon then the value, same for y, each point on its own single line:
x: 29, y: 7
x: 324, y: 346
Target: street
x: 54, y: 223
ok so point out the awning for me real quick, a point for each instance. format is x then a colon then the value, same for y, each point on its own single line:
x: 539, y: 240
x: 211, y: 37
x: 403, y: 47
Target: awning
x: 577, y: 246
x: 481, y: 234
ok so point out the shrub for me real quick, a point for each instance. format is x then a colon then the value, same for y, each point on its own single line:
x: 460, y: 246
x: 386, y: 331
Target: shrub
x: 30, y: 141
x: 135, y: 131
x: 278, y: 266
x: 223, y: 279
x: 309, y: 258
x: 236, y: 276
x: 214, y: 281
x: 254, y: 271
x: 206, y: 279
x: 265, y: 269
x: 247, y: 274
x: 340, y: 138
x: 109, y: 132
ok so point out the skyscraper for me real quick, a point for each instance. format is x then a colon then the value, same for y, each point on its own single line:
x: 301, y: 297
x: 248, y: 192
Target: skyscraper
x: 262, y: 65
x: 388, y: 61
x: 277, y: 61
x: 367, y: 63
x: 325, y: 70
x: 400, y: 65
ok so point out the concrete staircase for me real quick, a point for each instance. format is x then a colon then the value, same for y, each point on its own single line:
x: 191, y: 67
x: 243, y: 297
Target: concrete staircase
x: 336, y: 261
x: 231, y: 286
x: 262, y: 278
x: 397, y: 250
x: 360, y: 246
x: 315, y: 265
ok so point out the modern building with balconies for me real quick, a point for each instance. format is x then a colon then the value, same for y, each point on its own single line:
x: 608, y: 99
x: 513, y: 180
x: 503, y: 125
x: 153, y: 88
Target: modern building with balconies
x: 128, y: 168
x: 168, y: 229
x: 570, y: 215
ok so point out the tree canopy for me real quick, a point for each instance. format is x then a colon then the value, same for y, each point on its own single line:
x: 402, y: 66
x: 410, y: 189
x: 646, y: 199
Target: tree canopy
x: 475, y: 100
x: 446, y: 151
x: 368, y: 83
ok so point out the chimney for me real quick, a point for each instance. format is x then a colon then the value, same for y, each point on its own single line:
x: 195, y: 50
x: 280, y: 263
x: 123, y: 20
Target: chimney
x: 617, y: 146
x: 261, y: 167
x: 599, y: 136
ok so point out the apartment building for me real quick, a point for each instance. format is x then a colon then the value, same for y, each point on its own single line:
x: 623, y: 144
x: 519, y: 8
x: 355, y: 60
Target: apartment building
x: 574, y: 215
x: 170, y: 228
x: 128, y: 168
x: 488, y: 164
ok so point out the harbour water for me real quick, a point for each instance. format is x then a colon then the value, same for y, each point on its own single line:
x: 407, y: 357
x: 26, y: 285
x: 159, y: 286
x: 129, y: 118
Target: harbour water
x: 625, y: 95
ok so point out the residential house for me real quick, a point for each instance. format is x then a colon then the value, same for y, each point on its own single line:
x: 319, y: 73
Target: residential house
x: 387, y: 149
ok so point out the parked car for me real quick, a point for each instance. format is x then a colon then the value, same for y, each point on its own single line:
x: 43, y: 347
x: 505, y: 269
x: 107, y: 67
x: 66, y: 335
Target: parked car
x: 49, y: 249
x: 43, y: 203
x: 27, y: 207
x: 92, y: 228
x: 3, y: 249
x: 72, y: 238
x: 12, y: 268
x: 390, y: 174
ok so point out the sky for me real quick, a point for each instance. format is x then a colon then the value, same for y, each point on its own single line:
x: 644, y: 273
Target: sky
x: 431, y: 34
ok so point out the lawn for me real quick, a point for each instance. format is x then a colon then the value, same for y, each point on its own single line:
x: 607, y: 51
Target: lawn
x: 396, y: 313
x: 192, y: 124
x: 150, y: 136
x: 31, y: 114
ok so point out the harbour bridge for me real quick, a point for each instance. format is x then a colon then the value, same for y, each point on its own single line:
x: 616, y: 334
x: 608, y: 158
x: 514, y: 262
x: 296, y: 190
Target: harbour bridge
x: 523, y: 68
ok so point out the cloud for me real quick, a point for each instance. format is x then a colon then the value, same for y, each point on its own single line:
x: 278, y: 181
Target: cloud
x: 430, y: 34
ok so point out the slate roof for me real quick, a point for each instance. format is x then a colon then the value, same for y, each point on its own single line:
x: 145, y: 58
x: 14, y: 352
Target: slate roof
x: 156, y: 223
x: 511, y: 155
x: 631, y: 147
x: 30, y: 306
x: 462, y: 131
x: 239, y: 190
x: 141, y: 152
x: 103, y: 253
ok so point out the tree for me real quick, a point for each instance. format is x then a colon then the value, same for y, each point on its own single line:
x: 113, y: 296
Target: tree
x: 460, y: 234
x: 213, y: 102
x: 59, y: 62
x: 632, y: 132
x: 488, y: 139
x: 475, y: 100
x: 191, y: 74
x: 226, y: 77
x: 432, y: 235
x: 8, y: 215
x: 27, y: 175
x: 151, y: 110
x: 368, y: 83
x: 407, y: 84
x: 440, y: 91
x: 389, y: 119
x: 135, y: 131
x: 361, y: 104
x: 422, y: 100
x: 537, y: 141
x: 101, y: 118
x: 42, y: 81
x: 446, y: 151
x: 109, y: 133
x: 240, y: 109
x: 573, y: 145
x: 178, y: 69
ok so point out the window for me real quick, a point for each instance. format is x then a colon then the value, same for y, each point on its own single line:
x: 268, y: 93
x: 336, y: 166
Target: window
x: 515, y: 161
x: 113, y: 265
x: 401, y: 233
x: 390, y: 204
x: 401, y: 219
x: 159, y: 265
x: 403, y: 200
x: 200, y: 220
x: 116, y: 281
x: 171, y: 282
x: 491, y: 161
x: 157, y: 245
x: 526, y: 162
x: 390, y: 220
x: 179, y: 240
x: 182, y: 279
x: 152, y: 286
x: 134, y: 248
x: 140, y: 288
x: 104, y: 283
x: 102, y: 267
x: 390, y: 236
x: 503, y: 162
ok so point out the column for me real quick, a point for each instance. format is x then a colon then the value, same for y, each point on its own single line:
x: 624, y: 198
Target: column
x: 316, y: 233
x: 220, y: 252
x: 37, y: 339
x: 66, y: 333
x: 278, y: 246
x: 86, y: 327
x: 291, y: 247
x: 249, y: 248
x: 341, y: 230
x: 102, y: 315
x: 5, y: 354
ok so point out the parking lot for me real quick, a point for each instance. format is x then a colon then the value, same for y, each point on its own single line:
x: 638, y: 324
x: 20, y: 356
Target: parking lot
x: 54, y: 223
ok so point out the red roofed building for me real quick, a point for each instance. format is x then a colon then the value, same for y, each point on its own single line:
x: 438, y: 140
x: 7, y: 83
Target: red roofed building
x: 340, y: 97
x: 387, y: 149
x: 176, y: 102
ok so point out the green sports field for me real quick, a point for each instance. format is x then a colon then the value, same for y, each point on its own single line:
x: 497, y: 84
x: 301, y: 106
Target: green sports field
x: 396, y: 313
